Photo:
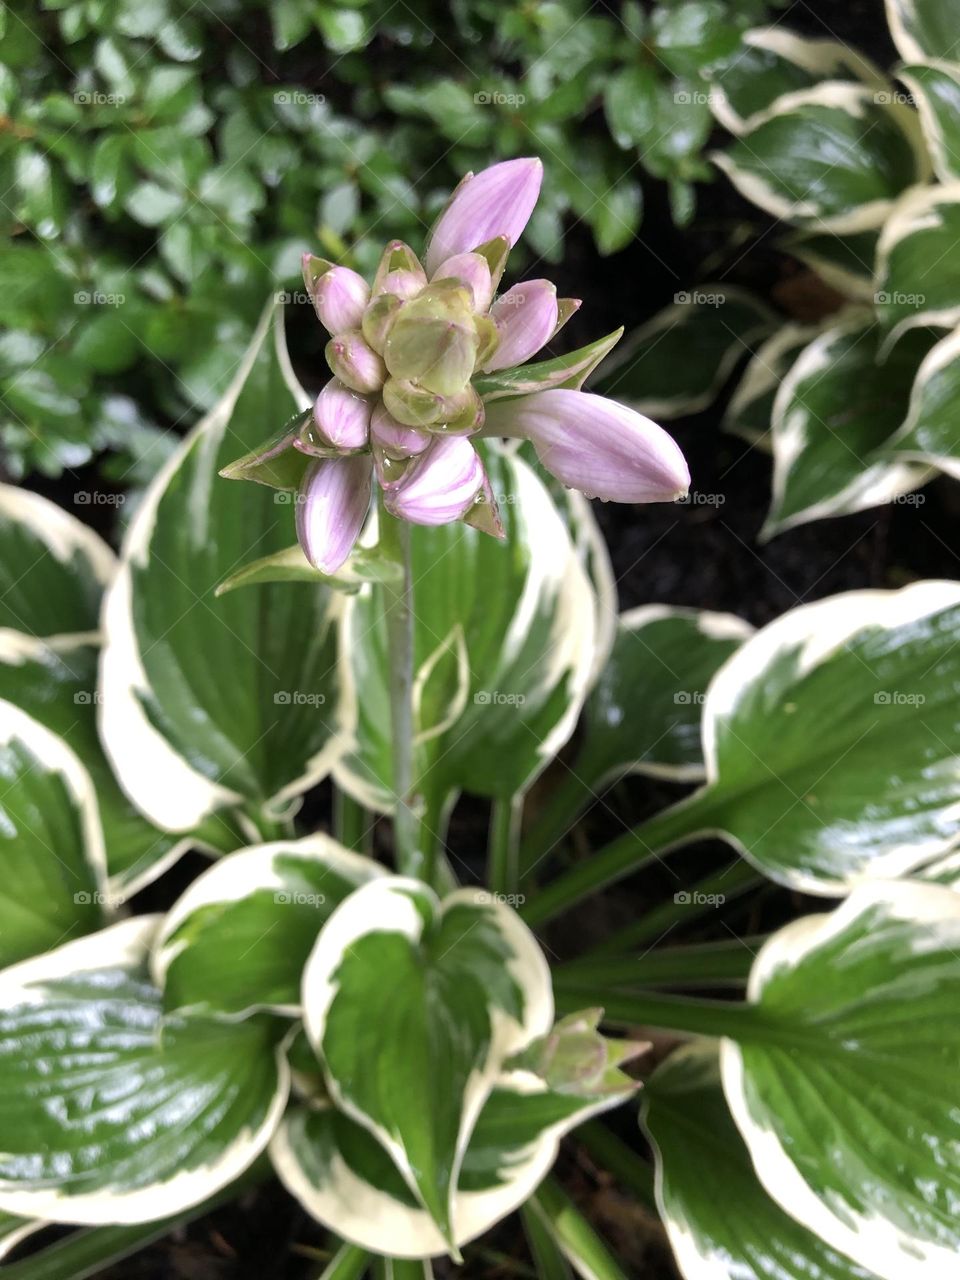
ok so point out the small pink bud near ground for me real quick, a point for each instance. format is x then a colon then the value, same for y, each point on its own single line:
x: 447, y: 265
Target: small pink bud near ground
x: 332, y: 505
x: 603, y: 448
x: 526, y: 317
x: 498, y: 201
x: 342, y: 416
x: 441, y: 485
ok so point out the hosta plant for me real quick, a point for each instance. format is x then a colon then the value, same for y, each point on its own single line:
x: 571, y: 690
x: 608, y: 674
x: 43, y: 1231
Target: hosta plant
x: 396, y: 1038
x: 860, y: 408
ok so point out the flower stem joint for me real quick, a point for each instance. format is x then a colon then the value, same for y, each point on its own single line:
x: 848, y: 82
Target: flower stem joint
x: 415, y: 361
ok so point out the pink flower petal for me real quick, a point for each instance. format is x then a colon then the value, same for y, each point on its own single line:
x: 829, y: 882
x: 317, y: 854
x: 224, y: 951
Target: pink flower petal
x: 342, y: 416
x: 332, y: 505
x: 526, y: 318
x: 473, y: 271
x: 396, y: 439
x: 594, y: 444
x: 441, y: 485
x: 495, y: 202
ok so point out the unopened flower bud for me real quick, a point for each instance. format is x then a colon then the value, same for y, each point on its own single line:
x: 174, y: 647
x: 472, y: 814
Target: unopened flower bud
x: 394, y: 438
x: 410, y: 404
x: 472, y: 271
x: 434, y: 341
x: 378, y: 319
x: 354, y: 362
x: 342, y: 416
x: 338, y: 294
x: 441, y: 485
x: 399, y: 271
x: 462, y: 415
x: 526, y: 317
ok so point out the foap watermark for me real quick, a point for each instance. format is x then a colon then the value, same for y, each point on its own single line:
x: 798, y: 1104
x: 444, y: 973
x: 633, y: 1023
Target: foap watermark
x: 96, y: 298
x: 697, y: 98
x: 483, y: 898
x: 698, y: 298
x: 292, y: 295
x: 498, y: 698
x: 87, y: 698
x: 287, y: 498
x: 898, y: 698
x: 294, y: 898
x: 494, y: 98
x: 894, y: 97
x: 298, y: 698
x: 694, y: 898
x: 98, y: 898
x: 694, y: 498
x: 94, y: 98
x: 689, y: 698
x: 296, y: 98
x: 898, y: 299
x: 98, y: 498
x: 910, y: 499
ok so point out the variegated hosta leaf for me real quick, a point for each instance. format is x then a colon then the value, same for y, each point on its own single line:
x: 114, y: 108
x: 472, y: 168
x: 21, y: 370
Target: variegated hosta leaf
x: 935, y: 86
x: 208, y: 702
x: 13, y: 1231
x: 53, y: 569
x: 112, y: 1112
x: 845, y: 263
x: 677, y: 362
x: 849, y: 1101
x: 57, y: 685
x: 569, y: 371
x: 835, y: 412
x: 403, y: 991
x: 342, y: 1175
x: 832, y: 740
x: 51, y: 842
x: 643, y: 714
x: 773, y: 62
x: 721, y: 1223
x: 504, y: 647
x: 931, y: 432
x: 833, y: 157
x: 918, y: 266
x: 750, y: 411
x: 924, y: 29
x: 239, y: 938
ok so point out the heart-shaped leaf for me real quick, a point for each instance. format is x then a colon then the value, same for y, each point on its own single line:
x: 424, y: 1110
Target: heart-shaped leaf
x: 239, y: 938
x: 787, y: 163
x: 832, y: 741
x: 342, y: 1175
x: 402, y: 991
x: 721, y: 1223
x: 212, y: 702
x: 165, y: 1110
x: 846, y: 1095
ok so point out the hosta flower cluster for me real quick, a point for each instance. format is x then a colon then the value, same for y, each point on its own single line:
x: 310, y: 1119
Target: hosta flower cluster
x: 421, y: 361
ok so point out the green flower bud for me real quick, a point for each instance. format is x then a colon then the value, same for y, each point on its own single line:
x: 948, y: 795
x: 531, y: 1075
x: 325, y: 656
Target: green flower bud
x: 378, y: 319
x: 488, y: 336
x: 434, y: 340
x: 410, y: 404
x: 461, y: 415
x: 399, y: 271
x: 355, y: 363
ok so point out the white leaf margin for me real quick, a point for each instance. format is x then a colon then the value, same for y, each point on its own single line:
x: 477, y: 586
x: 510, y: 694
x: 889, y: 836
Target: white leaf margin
x: 386, y: 905
x: 762, y: 374
x: 369, y: 1217
x: 814, y: 633
x: 54, y: 754
x: 913, y: 213
x: 854, y: 100
x: 235, y: 876
x: 875, y: 1243
x: 676, y: 315
x: 63, y: 535
x: 936, y: 142
x: 821, y: 57
x: 125, y: 945
x: 946, y: 352
x: 909, y: 48
x: 159, y: 781
x: 879, y: 482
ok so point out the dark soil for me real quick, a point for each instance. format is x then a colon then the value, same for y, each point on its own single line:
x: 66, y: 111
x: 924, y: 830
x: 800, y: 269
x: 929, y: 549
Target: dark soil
x: 702, y: 556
